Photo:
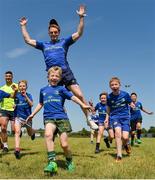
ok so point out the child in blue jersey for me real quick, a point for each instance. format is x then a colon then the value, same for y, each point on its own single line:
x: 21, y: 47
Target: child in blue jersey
x: 23, y: 105
x: 118, y: 109
x: 101, y: 108
x: 136, y: 118
x: 52, y: 98
x: 55, y: 54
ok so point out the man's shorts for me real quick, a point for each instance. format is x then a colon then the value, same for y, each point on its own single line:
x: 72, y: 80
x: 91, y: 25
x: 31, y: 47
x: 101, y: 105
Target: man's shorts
x: 68, y: 78
x: 63, y: 125
x: 123, y: 123
x: 22, y: 122
x: 8, y: 114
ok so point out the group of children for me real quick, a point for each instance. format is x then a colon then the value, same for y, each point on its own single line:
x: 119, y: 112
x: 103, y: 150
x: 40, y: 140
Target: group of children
x: 123, y: 114
x: 115, y: 112
x: 113, y: 108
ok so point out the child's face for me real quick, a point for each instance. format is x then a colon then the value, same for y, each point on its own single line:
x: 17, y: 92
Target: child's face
x: 103, y: 99
x: 54, y: 78
x: 115, y: 85
x: 134, y: 98
x: 22, y: 87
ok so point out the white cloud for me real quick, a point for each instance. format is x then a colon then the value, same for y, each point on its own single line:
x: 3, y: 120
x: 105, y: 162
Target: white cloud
x: 14, y: 53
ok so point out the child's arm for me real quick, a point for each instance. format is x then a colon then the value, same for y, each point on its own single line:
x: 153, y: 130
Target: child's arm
x: 30, y: 102
x: 36, y: 110
x: 147, y: 112
x: 26, y: 36
x: 78, y: 101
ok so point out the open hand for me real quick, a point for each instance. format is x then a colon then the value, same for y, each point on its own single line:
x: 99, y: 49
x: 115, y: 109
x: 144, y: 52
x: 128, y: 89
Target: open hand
x: 82, y: 11
x: 23, y: 21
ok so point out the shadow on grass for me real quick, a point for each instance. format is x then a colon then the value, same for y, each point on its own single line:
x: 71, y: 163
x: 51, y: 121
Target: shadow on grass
x: 28, y: 153
x: 74, y: 154
x: 61, y: 164
x: 114, y: 155
x: 22, y: 149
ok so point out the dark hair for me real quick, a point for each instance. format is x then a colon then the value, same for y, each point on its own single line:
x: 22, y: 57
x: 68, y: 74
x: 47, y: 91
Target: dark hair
x: 9, y: 72
x: 53, y: 23
x: 103, y: 93
x: 133, y: 93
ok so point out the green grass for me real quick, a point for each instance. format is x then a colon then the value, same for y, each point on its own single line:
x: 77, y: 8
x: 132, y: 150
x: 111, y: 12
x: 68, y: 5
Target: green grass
x: 140, y: 165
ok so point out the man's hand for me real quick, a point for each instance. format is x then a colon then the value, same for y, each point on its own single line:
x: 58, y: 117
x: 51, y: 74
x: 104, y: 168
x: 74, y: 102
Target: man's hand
x: 14, y: 87
x: 82, y: 11
x: 23, y: 21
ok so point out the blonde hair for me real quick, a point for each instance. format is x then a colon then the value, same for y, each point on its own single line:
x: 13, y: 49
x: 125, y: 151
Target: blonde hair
x: 23, y: 81
x: 55, y: 68
x: 114, y: 79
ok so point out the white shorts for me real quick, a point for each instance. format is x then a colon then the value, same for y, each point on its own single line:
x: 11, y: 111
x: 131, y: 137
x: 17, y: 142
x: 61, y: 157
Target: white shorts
x: 22, y: 122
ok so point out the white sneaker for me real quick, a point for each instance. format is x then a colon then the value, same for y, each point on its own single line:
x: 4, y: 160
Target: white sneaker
x: 92, y: 124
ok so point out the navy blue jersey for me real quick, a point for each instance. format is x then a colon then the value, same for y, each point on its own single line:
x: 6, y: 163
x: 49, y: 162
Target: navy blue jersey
x: 53, y: 98
x: 136, y: 112
x: 101, y: 108
x: 119, y: 105
x: 55, y: 53
x: 22, y: 109
x: 95, y: 118
x: 3, y: 94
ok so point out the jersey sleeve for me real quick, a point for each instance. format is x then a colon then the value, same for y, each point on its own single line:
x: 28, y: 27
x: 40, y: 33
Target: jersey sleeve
x: 69, y: 41
x: 41, y: 97
x: 96, y: 107
x: 39, y: 45
x: 30, y: 97
x: 4, y: 94
x: 128, y: 98
x: 66, y: 94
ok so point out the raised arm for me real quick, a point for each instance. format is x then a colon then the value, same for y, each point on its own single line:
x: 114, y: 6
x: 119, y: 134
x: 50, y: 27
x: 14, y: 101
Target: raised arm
x: 80, y: 28
x: 26, y: 36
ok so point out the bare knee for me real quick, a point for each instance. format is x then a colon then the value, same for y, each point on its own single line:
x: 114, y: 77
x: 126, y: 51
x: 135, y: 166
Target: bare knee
x: 48, y: 136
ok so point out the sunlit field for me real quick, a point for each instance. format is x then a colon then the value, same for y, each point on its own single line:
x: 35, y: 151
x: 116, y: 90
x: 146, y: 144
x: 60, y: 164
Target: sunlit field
x: 140, y: 164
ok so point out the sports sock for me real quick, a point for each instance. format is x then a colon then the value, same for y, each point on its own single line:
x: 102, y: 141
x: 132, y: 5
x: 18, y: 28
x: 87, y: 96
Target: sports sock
x: 51, y: 155
x: 138, y: 133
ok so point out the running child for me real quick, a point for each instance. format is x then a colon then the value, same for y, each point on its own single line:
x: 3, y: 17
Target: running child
x: 118, y: 102
x: 23, y: 105
x: 52, y: 98
x: 136, y: 119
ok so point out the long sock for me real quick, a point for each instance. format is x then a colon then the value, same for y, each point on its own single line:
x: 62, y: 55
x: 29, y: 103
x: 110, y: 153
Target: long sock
x: 51, y: 155
x: 139, y: 133
x: 132, y: 137
x: 69, y: 156
x: 97, y: 145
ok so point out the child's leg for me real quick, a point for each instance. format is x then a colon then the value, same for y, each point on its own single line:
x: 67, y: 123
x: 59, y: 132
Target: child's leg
x: 118, y: 139
x: 91, y: 135
x: 49, y: 133
x: 31, y: 132
x: 17, y: 135
x: 111, y: 134
x: 138, y: 127
x: 65, y: 145
x: 99, y: 136
x: 67, y: 152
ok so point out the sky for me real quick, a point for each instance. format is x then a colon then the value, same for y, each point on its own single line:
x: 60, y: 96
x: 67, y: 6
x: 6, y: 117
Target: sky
x: 118, y: 40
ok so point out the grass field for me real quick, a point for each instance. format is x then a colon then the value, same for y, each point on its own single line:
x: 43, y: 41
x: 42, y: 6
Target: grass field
x: 140, y: 164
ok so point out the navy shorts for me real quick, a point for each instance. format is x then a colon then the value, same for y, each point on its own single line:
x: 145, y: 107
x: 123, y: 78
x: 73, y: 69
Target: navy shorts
x: 123, y: 123
x: 67, y: 78
x: 8, y: 114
